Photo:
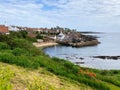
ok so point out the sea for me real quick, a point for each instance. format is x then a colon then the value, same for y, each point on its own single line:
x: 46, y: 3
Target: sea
x: 83, y: 56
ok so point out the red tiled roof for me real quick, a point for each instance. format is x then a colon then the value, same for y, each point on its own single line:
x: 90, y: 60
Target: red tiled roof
x: 3, y: 29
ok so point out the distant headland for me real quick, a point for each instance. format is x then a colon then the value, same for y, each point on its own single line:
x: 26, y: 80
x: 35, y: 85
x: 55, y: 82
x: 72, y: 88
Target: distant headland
x: 54, y: 35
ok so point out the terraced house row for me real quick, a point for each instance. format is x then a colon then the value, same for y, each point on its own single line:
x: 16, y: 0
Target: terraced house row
x: 4, y: 29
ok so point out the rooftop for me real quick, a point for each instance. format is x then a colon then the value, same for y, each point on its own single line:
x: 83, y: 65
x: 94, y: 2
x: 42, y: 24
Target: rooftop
x: 4, y: 29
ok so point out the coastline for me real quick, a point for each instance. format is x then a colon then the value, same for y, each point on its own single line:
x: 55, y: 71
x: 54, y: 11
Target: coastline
x: 45, y: 44
x: 81, y: 44
x: 87, y: 43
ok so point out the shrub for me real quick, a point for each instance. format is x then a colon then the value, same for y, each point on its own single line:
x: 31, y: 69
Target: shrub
x: 19, y: 51
x: 25, y: 45
x: 4, y: 46
x: 31, y: 39
x: 39, y: 36
x: 5, y: 38
x: 24, y: 61
x: 20, y: 43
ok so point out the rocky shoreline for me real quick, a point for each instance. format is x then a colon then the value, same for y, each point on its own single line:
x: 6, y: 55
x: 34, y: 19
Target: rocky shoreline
x: 87, y: 43
x: 107, y: 57
x: 76, y: 39
x: 80, y: 44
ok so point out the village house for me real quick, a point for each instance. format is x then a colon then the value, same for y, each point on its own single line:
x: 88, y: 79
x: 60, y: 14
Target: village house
x: 32, y: 30
x: 21, y: 28
x: 28, y: 29
x: 53, y: 32
x: 61, y: 36
x: 4, y: 29
x: 13, y: 28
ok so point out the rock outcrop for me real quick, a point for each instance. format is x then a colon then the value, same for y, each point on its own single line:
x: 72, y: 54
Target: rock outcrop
x: 78, y: 40
x: 107, y: 57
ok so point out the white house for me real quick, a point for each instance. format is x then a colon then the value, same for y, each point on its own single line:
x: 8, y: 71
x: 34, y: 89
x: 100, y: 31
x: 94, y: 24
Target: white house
x: 61, y: 36
x: 13, y: 28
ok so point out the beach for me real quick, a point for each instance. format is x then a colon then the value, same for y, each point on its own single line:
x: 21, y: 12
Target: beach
x: 45, y: 44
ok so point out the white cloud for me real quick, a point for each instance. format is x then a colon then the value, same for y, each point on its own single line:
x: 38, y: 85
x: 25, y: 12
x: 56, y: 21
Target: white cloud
x: 86, y: 7
x: 25, y: 11
x: 70, y: 13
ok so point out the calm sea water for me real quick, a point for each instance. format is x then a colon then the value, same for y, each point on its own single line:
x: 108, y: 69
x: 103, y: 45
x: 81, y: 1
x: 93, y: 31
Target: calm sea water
x: 110, y: 45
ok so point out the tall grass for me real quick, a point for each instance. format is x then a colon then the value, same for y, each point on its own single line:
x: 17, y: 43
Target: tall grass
x: 109, y: 79
x: 38, y: 84
x: 5, y: 76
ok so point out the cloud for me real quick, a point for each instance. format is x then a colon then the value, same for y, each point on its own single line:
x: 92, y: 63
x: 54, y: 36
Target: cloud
x: 67, y: 13
x: 86, y: 7
x: 25, y: 11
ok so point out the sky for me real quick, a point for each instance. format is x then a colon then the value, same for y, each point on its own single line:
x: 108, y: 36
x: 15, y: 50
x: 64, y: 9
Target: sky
x: 83, y: 15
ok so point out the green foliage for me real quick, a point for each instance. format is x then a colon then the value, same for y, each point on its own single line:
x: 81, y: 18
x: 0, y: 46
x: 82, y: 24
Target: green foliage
x: 4, y: 46
x: 38, y: 84
x: 21, y: 52
x: 109, y: 79
x: 111, y: 72
x: 20, y: 43
x: 63, y: 68
x: 31, y: 39
x: 25, y: 45
x: 39, y: 36
x: 18, y: 51
x: 24, y: 61
x: 20, y: 34
x: 5, y: 76
x: 5, y: 38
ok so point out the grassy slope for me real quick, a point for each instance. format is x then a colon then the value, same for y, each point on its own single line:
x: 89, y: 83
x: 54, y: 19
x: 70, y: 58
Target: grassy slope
x: 112, y: 87
x: 45, y: 72
x: 23, y: 78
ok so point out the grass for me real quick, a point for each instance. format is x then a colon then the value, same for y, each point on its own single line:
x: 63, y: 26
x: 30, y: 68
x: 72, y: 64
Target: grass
x: 112, y: 87
x: 25, y: 79
x: 5, y: 76
x: 58, y: 67
x: 20, y: 52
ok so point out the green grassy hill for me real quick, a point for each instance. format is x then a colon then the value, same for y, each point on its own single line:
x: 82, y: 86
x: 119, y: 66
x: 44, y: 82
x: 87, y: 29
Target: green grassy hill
x: 40, y: 79
x: 28, y: 68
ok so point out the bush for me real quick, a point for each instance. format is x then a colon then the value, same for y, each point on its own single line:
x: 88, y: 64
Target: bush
x: 4, y: 46
x: 5, y: 38
x: 39, y: 36
x: 31, y: 39
x: 20, y: 43
x: 24, y: 61
x: 18, y: 51
x: 25, y: 45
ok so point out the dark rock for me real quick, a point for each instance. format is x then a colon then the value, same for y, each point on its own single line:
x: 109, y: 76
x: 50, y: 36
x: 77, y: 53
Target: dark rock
x: 81, y: 58
x: 78, y: 40
x: 79, y: 62
x: 77, y: 58
x: 67, y: 57
x: 107, y: 57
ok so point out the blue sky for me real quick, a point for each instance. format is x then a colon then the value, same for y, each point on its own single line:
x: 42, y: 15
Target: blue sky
x: 83, y: 15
